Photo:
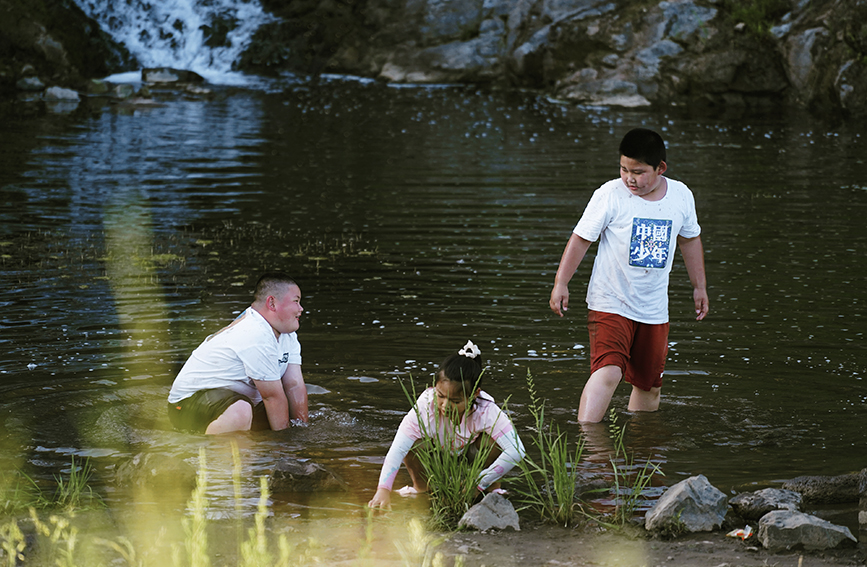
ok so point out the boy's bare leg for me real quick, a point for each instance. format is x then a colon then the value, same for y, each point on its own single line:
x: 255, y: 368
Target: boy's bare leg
x: 237, y: 417
x: 640, y: 400
x: 597, y: 393
x: 416, y: 471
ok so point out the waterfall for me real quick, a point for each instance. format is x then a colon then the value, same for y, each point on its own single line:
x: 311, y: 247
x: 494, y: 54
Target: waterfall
x: 205, y: 36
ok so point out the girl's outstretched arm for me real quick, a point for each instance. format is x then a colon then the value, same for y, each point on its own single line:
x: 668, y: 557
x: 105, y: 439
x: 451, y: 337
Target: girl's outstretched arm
x: 512, y: 453
x: 399, y: 448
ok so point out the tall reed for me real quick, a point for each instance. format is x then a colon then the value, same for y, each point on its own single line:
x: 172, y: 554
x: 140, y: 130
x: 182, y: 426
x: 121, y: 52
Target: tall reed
x: 630, y: 480
x: 550, y: 478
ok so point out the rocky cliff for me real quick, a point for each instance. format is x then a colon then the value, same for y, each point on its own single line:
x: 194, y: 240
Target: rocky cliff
x: 724, y: 53
x: 751, y: 54
x: 53, y: 42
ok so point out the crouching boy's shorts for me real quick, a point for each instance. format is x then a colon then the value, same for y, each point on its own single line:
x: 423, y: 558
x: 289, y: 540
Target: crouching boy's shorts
x: 638, y: 349
x: 195, y: 414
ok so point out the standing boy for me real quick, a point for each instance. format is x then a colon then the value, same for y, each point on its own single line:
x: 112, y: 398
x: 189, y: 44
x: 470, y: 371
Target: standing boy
x: 247, y: 375
x: 636, y: 219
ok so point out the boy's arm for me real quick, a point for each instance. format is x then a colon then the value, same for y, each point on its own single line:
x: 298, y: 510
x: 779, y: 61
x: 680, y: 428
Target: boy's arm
x: 693, y: 258
x: 574, y: 252
x: 296, y: 392
x: 274, y: 399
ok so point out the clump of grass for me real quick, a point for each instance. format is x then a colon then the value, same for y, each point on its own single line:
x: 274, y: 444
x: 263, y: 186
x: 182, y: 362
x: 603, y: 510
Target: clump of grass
x: 18, y: 491
x: 452, y: 475
x: 195, y: 527
x: 759, y: 16
x: 75, y: 492
x: 62, y: 538
x: 550, y: 479
x: 630, y: 480
x: 12, y: 543
x: 420, y: 549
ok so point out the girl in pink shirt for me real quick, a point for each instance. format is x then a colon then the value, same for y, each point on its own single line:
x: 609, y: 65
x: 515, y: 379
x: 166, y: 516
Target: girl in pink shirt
x: 456, y: 411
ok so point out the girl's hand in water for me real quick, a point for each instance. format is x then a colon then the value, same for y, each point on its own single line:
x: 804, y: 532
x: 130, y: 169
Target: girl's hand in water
x: 382, y: 499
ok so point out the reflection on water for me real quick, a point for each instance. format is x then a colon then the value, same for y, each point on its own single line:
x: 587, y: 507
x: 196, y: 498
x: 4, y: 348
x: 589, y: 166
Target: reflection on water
x: 416, y: 219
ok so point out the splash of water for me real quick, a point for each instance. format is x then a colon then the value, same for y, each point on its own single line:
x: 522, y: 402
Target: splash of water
x: 205, y: 36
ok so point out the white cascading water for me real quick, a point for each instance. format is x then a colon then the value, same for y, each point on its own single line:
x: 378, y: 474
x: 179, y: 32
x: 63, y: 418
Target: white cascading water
x: 169, y: 33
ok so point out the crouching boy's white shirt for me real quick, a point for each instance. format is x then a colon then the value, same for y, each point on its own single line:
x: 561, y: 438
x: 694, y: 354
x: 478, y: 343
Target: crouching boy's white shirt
x: 234, y: 356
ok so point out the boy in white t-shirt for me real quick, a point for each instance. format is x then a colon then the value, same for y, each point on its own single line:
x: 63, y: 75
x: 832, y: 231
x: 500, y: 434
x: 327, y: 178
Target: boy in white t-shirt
x: 248, y: 374
x: 639, y: 220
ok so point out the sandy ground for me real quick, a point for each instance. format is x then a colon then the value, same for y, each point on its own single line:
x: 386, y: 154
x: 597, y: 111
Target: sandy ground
x: 546, y: 545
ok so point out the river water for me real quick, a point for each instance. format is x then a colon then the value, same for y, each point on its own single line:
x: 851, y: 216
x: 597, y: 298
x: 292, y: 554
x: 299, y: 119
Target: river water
x: 415, y: 219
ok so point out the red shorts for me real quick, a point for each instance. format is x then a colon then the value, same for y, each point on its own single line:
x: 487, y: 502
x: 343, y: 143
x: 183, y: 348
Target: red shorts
x: 638, y: 349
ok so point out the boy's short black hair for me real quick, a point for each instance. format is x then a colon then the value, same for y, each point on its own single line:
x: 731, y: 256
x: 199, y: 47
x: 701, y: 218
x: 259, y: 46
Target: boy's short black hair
x: 270, y: 284
x: 643, y: 145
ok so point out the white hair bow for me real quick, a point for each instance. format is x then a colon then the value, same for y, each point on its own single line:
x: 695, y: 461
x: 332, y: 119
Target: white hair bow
x: 470, y: 350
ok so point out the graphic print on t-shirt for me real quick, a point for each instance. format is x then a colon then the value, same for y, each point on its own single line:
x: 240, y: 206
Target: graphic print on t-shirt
x: 650, y: 243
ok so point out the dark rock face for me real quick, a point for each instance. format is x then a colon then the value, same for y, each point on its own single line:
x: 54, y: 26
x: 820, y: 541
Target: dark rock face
x: 587, y: 51
x: 604, y: 52
x: 54, y: 40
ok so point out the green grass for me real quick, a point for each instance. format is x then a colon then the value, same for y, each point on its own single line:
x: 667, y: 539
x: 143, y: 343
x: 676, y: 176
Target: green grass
x: 759, y: 16
x: 56, y: 541
x: 630, y: 480
x: 18, y: 491
x: 549, y: 480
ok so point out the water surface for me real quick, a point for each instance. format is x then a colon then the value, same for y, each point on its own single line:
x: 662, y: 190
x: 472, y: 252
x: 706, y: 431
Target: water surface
x: 415, y: 219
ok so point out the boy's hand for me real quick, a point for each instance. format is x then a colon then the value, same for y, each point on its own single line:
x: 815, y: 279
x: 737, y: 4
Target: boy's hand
x: 702, y: 305
x: 559, y: 301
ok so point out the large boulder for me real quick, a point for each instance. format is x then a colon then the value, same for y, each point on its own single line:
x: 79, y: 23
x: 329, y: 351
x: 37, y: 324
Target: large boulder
x: 783, y: 530
x: 691, y: 505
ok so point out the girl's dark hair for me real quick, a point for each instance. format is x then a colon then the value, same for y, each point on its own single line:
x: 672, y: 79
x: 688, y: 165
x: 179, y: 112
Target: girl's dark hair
x: 459, y: 368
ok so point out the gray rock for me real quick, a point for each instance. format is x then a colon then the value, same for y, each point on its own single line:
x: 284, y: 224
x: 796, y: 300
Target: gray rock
x: 31, y: 84
x: 493, y: 512
x: 293, y: 475
x: 692, y: 505
x: 826, y: 489
x: 753, y: 505
x: 60, y: 94
x: 123, y: 91
x: 169, y: 75
x: 783, y: 530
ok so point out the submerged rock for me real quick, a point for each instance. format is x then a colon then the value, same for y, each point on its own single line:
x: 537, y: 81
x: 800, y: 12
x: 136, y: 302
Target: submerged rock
x: 155, y: 471
x: 293, y: 475
x: 826, y: 489
x: 493, y: 512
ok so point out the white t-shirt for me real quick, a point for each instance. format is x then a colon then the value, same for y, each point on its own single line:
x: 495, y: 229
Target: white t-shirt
x: 233, y: 357
x: 637, y: 241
